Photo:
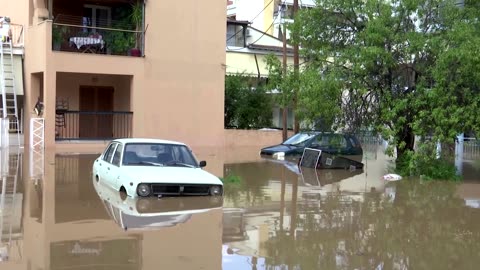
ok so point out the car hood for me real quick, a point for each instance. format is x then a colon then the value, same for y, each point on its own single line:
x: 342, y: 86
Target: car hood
x: 177, y: 175
x: 279, y: 148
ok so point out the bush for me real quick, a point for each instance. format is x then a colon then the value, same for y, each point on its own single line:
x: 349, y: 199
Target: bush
x: 247, y: 104
x: 425, y: 164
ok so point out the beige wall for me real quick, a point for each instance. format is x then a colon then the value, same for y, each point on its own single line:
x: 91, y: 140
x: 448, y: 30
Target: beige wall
x: 177, y: 89
x: 235, y: 138
x: 17, y: 10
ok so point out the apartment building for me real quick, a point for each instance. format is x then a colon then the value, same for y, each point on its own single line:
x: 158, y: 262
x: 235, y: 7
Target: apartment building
x: 97, y: 70
x: 266, y: 15
x: 247, y: 49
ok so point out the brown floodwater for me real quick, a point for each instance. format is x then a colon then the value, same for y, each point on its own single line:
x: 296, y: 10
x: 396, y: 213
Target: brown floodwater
x: 273, y: 216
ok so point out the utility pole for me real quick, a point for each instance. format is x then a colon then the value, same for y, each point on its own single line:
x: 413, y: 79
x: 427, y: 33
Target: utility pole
x: 285, y: 107
x: 296, y: 69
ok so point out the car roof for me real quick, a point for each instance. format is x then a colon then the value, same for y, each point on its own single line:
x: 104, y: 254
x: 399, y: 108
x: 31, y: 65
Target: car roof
x: 146, y: 140
x: 316, y: 132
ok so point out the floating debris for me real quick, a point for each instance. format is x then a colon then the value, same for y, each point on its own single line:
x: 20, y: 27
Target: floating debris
x: 392, y: 177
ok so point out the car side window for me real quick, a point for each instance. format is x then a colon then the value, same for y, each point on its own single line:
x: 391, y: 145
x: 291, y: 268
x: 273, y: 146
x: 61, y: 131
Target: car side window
x: 116, y: 156
x: 352, y: 141
x: 338, y: 141
x: 321, y: 141
x: 108, y: 155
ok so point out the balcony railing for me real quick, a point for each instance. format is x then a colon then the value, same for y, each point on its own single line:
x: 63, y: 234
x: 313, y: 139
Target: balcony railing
x: 86, y: 125
x: 18, y: 37
x: 69, y: 35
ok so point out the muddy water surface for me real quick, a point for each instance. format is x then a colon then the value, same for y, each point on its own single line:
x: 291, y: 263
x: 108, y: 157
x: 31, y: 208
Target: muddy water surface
x: 273, y: 216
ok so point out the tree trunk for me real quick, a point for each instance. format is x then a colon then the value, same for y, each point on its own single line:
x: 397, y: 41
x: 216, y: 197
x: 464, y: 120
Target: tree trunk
x: 407, y: 137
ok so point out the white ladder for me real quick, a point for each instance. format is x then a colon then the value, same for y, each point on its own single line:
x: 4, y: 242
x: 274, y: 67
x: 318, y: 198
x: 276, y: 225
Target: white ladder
x: 7, y: 197
x: 8, y: 88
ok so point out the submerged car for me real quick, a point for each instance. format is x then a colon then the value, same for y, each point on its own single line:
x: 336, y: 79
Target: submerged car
x: 153, y: 167
x: 338, y: 144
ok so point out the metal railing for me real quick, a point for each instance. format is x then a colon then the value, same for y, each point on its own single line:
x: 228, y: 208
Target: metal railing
x: 18, y: 37
x: 86, y: 125
x: 471, y: 148
x: 112, y: 38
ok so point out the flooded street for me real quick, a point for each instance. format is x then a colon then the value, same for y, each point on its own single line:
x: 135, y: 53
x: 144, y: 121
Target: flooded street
x: 273, y: 216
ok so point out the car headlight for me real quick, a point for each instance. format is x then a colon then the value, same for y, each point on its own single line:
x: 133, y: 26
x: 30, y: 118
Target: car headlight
x: 143, y: 190
x: 279, y: 155
x: 215, y: 190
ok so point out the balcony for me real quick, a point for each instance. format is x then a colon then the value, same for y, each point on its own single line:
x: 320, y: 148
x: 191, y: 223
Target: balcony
x: 116, y: 28
x: 93, y: 125
x: 18, y: 38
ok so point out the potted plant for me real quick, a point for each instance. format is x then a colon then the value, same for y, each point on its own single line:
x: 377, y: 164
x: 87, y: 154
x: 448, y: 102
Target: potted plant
x: 58, y: 32
x: 136, y: 17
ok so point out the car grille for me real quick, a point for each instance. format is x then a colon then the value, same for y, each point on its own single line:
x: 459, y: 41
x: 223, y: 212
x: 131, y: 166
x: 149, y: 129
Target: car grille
x: 174, y: 189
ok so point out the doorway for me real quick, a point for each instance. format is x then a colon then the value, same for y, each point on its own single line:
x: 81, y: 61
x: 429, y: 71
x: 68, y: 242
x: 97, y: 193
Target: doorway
x: 96, y: 107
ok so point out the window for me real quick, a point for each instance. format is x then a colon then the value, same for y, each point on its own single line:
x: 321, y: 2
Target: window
x: 331, y: 140
x: 96, y: 16
x: 184, y: 155
x: 116, y: 156
x: 109, y: 153
x: 235, y: 36
x: 135, y: 153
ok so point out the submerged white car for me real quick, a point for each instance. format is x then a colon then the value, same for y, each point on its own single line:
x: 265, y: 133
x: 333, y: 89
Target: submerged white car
x: 153, y: 167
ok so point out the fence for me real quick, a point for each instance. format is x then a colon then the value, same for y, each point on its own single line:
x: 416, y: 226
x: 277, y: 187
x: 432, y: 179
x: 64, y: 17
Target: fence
x: 85, y: 125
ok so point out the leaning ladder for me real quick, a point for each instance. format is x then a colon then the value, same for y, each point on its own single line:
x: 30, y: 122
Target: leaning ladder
x: 7, y: 84
x: 10, y: 171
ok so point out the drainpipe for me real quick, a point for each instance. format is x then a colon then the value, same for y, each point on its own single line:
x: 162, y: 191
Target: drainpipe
x: 143, y: 28
x: 244, y: 36
x: 50, y: 9
x: 258, y: 68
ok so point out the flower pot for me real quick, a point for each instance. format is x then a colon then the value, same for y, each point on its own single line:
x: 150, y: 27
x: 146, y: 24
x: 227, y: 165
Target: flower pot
x: 135, y: 52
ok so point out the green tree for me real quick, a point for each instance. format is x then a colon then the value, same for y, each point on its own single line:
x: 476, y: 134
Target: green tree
x: 400, y: 67
x: 247, y: 104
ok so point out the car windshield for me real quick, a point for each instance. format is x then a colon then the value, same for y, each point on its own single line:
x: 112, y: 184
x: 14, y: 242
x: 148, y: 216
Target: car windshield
x: 299, y: 138
x: 158, y: 154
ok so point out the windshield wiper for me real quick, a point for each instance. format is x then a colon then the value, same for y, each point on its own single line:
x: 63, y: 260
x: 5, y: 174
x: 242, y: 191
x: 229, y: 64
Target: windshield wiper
x: 150, y: 163
x: 177, y: 163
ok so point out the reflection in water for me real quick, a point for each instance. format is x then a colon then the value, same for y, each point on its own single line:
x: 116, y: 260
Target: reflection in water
x: 77, y: 229
x: 151, y: 213
x: 97, y: 254
x: 275, y: 217
x: 11, y: 201
x: 320, y: 219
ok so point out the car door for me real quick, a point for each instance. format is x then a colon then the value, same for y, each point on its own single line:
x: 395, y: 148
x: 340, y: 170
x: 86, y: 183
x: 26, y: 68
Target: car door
x: 100, y: 162
x: 105, y: 165
x: 114, y: 173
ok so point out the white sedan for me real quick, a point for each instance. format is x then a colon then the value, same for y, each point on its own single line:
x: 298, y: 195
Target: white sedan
x: 152, y: 167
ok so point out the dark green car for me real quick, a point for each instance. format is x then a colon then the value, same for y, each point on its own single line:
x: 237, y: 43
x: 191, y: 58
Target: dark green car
x: 338, y: 144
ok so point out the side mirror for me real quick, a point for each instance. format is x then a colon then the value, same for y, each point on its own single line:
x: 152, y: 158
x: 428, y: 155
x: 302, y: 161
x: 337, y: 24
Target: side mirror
x: 203, y: 163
